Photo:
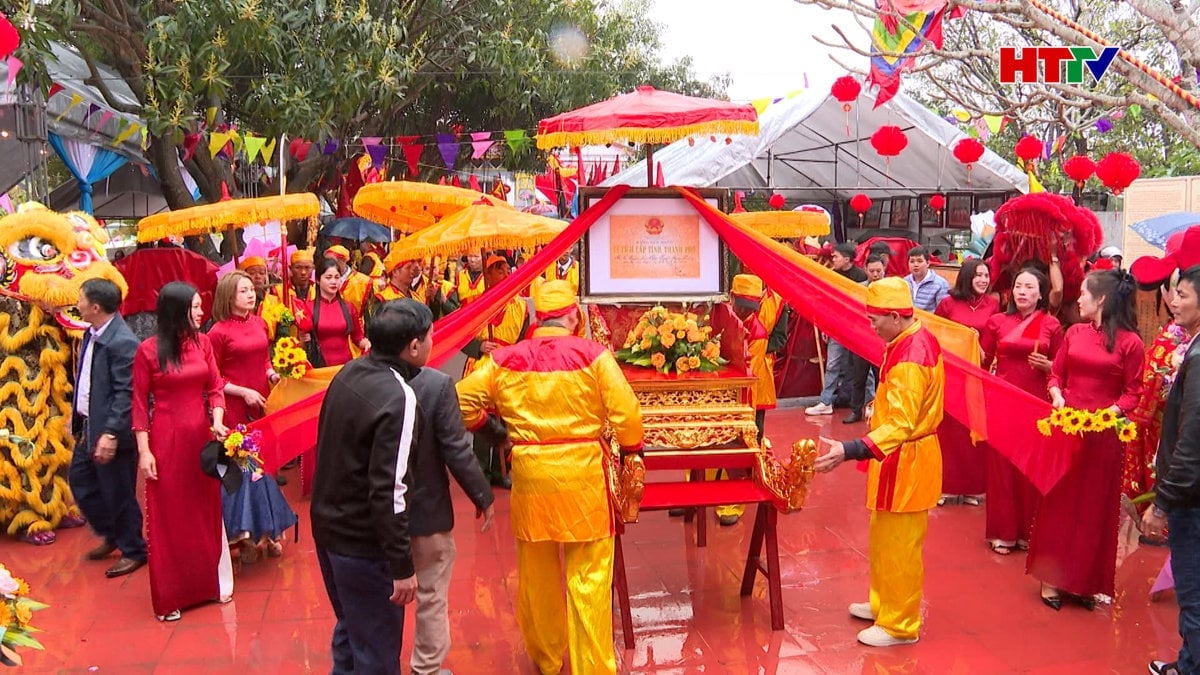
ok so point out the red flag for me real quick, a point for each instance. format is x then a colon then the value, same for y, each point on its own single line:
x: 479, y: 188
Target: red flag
x: 412, y: 148
x: 473, y: 182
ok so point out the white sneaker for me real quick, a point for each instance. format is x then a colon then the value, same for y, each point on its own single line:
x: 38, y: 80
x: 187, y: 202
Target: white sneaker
x: 862, y: 610
x: 878, y: 637
x: 819, y: 409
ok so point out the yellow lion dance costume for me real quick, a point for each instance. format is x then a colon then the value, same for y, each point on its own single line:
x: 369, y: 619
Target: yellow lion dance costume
x: 44, y: 259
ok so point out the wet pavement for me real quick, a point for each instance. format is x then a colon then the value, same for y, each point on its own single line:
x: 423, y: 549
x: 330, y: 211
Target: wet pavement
x: 982, y: 614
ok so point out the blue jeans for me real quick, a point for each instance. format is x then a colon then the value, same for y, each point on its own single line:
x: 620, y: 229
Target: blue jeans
x: 833, y: 371
x: 367, y: 636
x: 1184, y: 540
x: 107, y: 496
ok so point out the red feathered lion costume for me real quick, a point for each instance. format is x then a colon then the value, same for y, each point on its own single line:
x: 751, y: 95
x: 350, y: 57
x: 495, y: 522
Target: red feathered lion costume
x: 1040, y: 226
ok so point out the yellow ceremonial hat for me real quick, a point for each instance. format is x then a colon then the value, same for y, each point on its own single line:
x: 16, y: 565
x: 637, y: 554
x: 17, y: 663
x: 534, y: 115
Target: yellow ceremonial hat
x: 392, y: 261
x: 338, y: 252
x: 747, y: 287
x: 890, y: 294
x: 301, y: 255
x: 251, y: 261
x: 494, y: 260
x: 555, y: 299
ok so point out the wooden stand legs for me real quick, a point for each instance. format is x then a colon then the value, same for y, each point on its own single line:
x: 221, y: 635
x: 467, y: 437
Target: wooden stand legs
x: 764, y: 530
x: 621, y: 587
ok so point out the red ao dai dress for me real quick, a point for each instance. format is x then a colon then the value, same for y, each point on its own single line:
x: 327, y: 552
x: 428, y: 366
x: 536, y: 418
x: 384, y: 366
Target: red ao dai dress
x: 1074, y: 545
x: 188, y: 556
x: 964, y: 464
x: 1009, y: 340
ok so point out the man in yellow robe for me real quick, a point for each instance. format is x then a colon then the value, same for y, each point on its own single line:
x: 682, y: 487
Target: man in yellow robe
x: 356, y: 286
x: 507, y: 328
x: 369, y: 263
x: 406, y: 279
x: 470, y: 280
x: 557, y: 392
x: 565, y: 269
x: 255, y: 267
x: 299, y: 294
x: 904, y: 479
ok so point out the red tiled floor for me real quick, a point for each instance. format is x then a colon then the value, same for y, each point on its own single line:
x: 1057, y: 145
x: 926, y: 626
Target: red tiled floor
x: 982, y: 614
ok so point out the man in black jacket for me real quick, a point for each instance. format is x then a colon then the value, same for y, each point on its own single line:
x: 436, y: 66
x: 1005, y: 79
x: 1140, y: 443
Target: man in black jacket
x: 444, y: 443
x: 1177, y: 502
x: 103, y: 474
x: 361, y: 492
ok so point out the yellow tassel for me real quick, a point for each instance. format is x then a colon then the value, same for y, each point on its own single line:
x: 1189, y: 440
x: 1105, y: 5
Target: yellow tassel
x: 560, y: 139
x: 220, y: 216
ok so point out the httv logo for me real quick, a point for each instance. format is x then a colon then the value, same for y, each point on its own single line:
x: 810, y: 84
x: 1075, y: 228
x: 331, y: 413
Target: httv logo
x: 1024, y: 61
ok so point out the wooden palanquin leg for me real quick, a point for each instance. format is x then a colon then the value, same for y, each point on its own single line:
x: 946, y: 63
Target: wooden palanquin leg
x: 621, y: 587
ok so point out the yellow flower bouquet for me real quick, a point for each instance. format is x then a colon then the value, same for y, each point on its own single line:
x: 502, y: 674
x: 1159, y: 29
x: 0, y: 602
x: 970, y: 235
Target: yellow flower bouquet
x: 1075, y: 421
x: 16, y: 612
x: 277, y: 314
x: 670, y: 341
x: 290, y: 360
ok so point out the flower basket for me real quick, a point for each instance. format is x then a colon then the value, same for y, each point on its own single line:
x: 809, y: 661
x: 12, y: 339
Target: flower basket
x: 672, y: 342
x: 16, y: 612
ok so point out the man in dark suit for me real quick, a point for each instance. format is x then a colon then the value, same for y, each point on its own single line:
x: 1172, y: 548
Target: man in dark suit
x: 1177, y: 488
x: 104, y: 469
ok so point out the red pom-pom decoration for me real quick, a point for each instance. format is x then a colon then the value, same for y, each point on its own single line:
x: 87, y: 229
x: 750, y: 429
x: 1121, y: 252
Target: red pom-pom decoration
x: 1029, y: 149
x: 777, y: 201
x: 937, y: 203
x: 846, y: 88
x: 1117, y: 170
x: 968, y: 151
x: 889, y: 141
x: 9, y: 38
x: 1079, y: 169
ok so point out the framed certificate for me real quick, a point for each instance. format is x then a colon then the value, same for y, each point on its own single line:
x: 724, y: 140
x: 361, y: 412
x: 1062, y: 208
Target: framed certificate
x: 652, y: 244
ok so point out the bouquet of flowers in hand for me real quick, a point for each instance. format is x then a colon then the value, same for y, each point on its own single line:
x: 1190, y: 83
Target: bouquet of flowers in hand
x: 242, y: 446
x: 16, y: 611
x: 668, y: 341
x: 290, y: 360
x: 1075, y: 421
x: 278, y: 314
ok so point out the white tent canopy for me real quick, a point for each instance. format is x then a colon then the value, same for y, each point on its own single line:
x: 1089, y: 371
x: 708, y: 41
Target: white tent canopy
x: 804, y: 143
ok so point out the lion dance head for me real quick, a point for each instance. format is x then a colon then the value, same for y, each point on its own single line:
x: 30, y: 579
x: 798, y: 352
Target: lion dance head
x: 1040, y: 226
x: 46, y: 256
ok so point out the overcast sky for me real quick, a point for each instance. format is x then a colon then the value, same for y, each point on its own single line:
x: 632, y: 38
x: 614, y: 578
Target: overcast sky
x: 766, y: 45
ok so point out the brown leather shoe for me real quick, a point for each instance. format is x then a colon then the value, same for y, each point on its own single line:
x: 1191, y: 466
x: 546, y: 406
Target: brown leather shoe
x: 101, y: 552
x: 124, y: 566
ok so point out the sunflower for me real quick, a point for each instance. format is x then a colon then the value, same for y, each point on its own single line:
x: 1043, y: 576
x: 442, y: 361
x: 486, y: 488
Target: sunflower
x: 1043, y: 427
x: 1106, y: 418
x: 1091, y: 423
x: 1128, y: 433
x: 1058, y: 416
x: 1073, y: 422
x: 22, y: 587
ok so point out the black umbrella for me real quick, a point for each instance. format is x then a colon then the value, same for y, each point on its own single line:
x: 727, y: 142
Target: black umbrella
x: 358, y: 229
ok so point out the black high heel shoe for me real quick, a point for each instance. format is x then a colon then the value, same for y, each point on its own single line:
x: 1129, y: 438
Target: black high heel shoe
x: 1089, y: 603
x: 1054, y: 602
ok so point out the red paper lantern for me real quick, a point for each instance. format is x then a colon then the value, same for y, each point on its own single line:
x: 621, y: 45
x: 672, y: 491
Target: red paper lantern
x: 1079, y: 169
x: 1029, y: 149
x: 889, y: 141
x: 1117, y: 170
x: 845, y: 89
x: 9, y: 38
x: 937, y: 203
x: 777, y: 201
x: 860, y: 203
x: 968, y: 151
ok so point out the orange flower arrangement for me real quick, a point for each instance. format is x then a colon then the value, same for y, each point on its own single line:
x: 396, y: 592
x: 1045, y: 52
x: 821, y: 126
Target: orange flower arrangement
x: 670, y: 341
x: 16, y: 613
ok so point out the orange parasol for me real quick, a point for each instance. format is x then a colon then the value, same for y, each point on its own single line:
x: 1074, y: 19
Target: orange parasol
x: 786, y: 224
x: 222, y: 215
x: 480, y: 226
x: 647, y: 116
x: 409, y: 206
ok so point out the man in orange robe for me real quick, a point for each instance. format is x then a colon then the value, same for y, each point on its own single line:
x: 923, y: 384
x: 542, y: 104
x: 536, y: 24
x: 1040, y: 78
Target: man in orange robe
x: 356, y: 286
x: 904, y: 478
x: 470, y: 280
x: 556, y: 392
x: 406, y: 279
x: 298, y: 295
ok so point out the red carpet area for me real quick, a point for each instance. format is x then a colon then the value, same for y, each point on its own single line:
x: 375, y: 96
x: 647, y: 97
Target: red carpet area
x: 982, y: 614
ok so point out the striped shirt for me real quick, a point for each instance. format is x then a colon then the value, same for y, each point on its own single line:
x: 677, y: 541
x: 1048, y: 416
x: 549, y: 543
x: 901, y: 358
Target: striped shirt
x: 929, y: 291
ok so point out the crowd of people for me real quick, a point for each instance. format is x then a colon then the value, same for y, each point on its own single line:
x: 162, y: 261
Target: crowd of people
x: 534, y: 398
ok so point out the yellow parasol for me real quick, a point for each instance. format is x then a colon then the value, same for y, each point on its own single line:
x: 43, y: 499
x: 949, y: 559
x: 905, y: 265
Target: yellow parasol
x: 219, y: 216
x: 786, y: 224
x: 480, y: 226
x: 409, y: 206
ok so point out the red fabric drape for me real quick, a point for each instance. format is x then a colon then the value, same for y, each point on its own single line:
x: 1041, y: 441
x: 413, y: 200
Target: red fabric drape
x: 838, y: 309
x: 291, y: 431
x: 149, y: 269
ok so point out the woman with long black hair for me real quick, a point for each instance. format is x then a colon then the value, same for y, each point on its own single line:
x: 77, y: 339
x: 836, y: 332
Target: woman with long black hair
x: 1098, y: 367
x: 337, y: 327
x: 178, y: 404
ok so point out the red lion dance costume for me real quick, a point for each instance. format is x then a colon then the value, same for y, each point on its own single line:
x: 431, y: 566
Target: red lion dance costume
x: 1041, y: 226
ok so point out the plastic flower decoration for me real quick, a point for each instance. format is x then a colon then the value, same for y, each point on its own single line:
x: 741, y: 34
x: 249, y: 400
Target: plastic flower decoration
x: 16, y: 613
x: 1076, y: 422
x: 289, y: 359
x: 671, y: 341
x: 243, y: 447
